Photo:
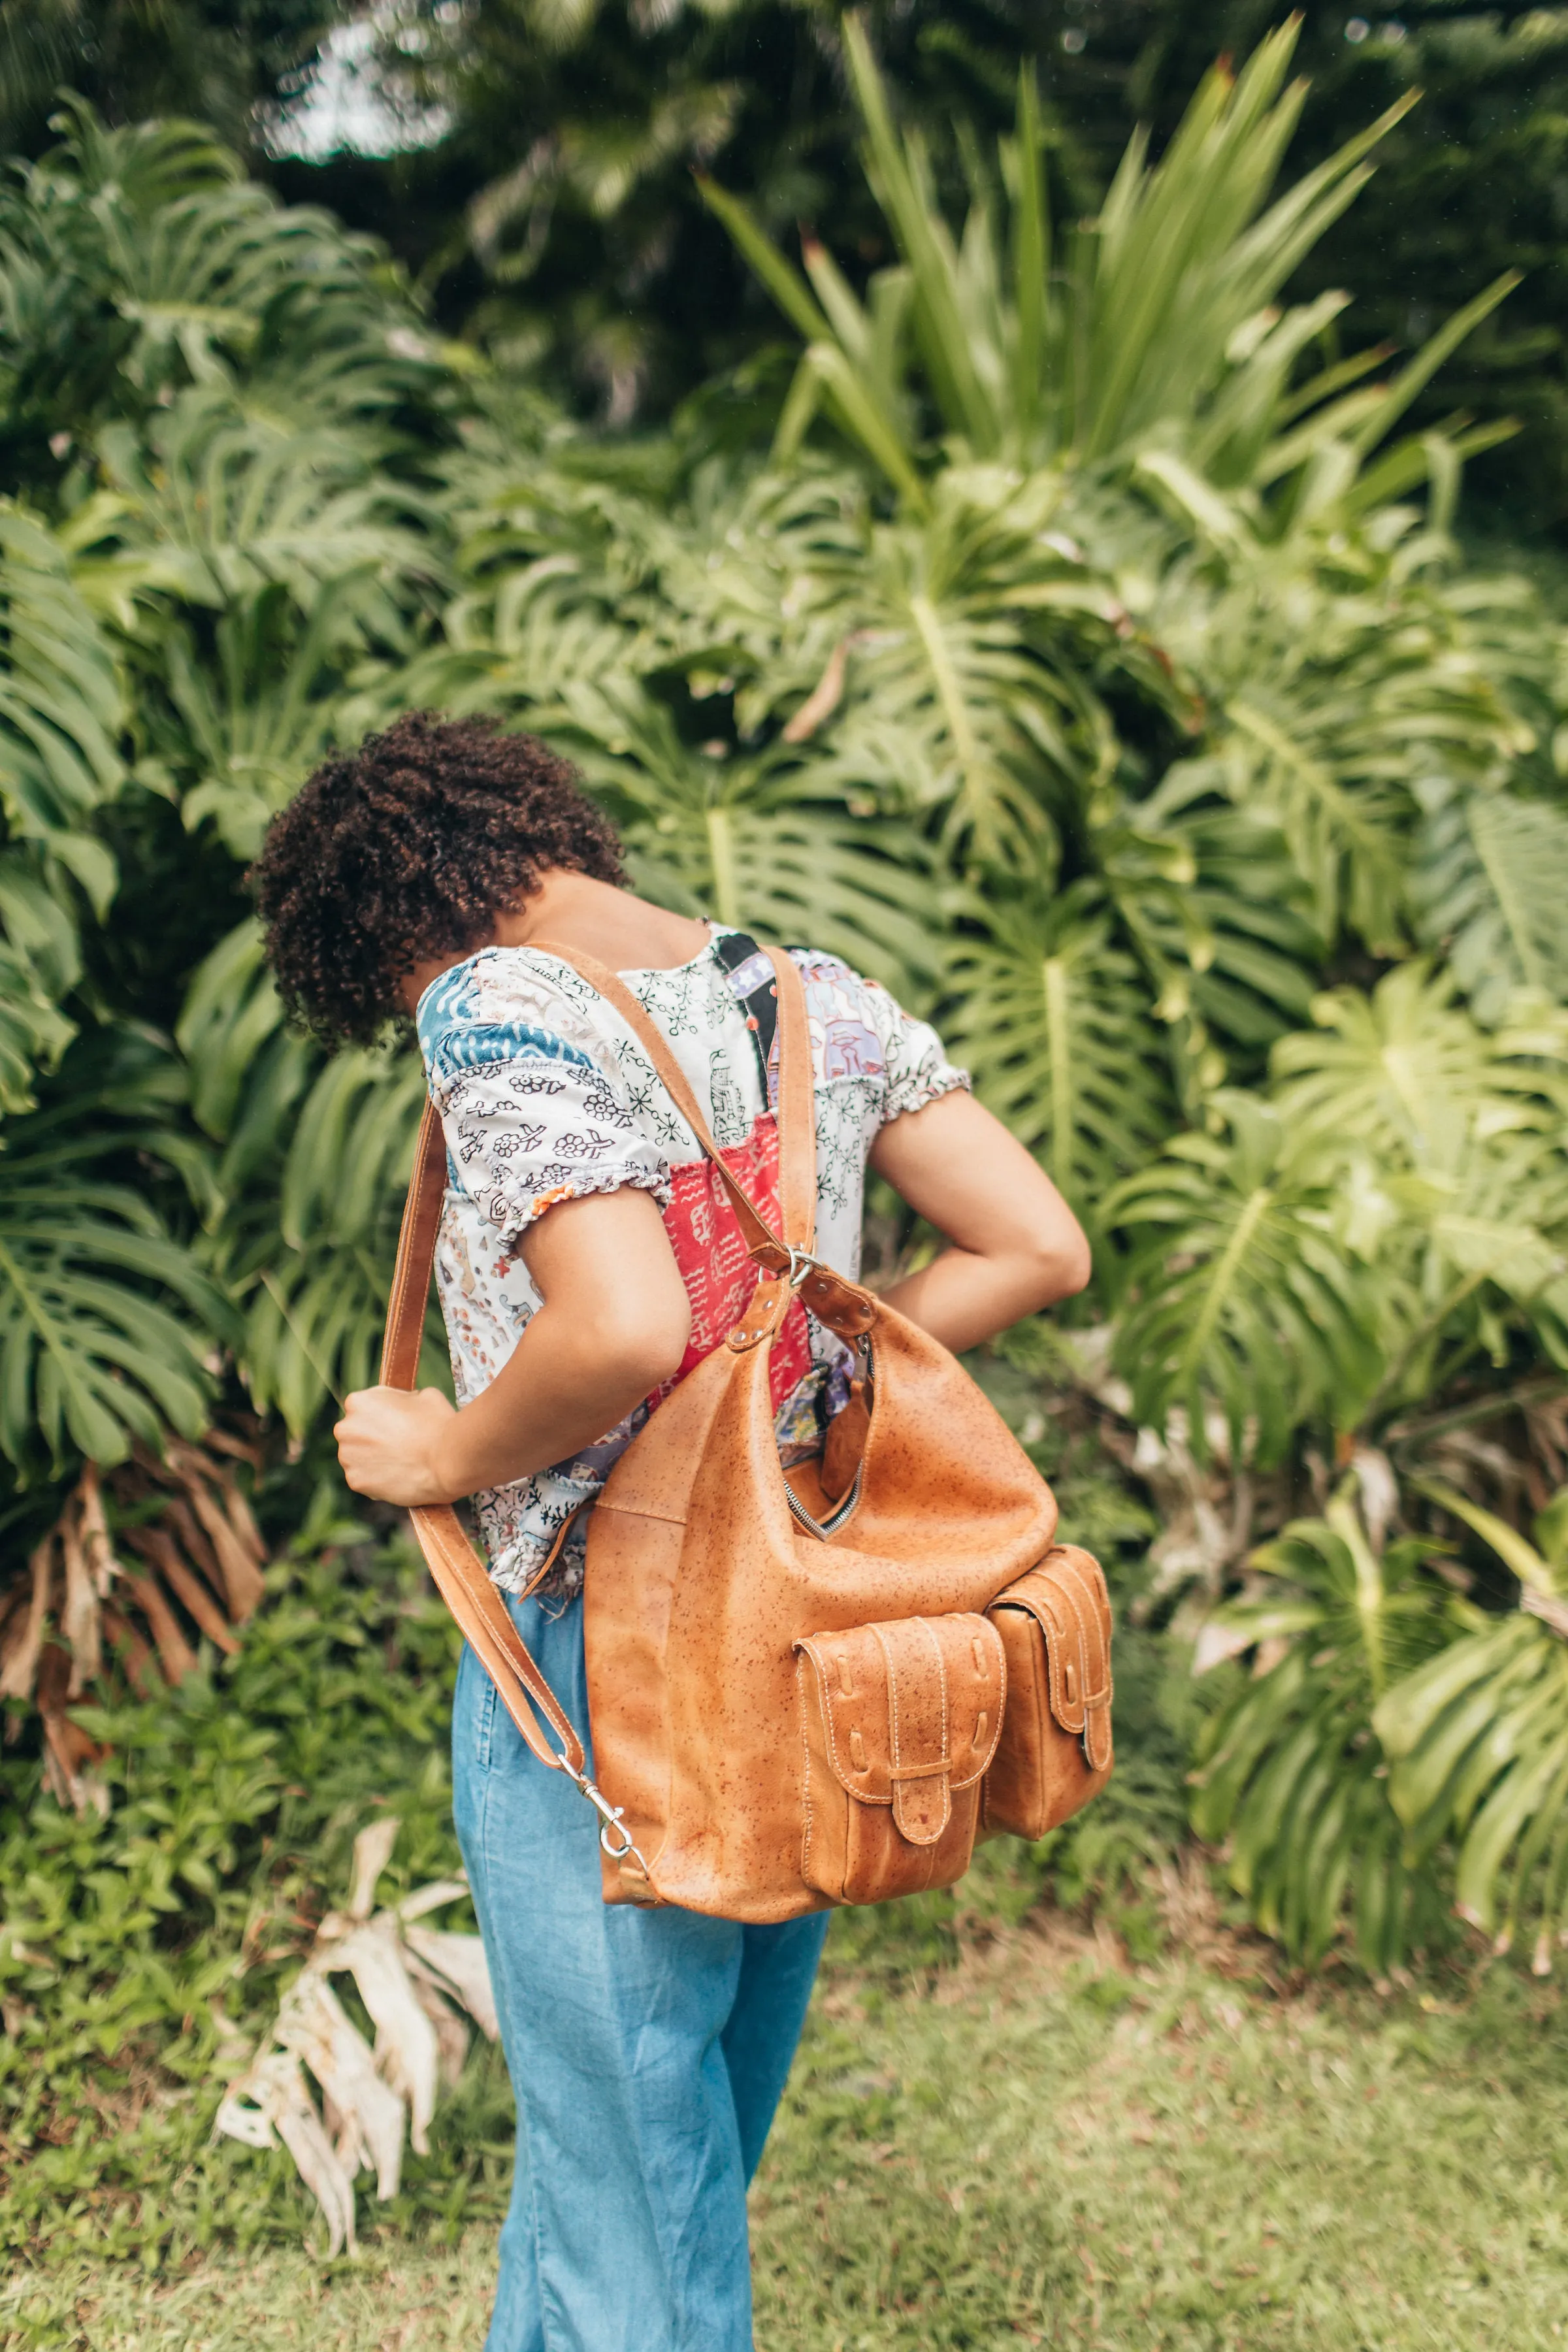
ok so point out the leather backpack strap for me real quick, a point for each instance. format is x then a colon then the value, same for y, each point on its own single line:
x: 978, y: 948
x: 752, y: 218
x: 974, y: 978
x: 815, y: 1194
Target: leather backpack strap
x: 460, y: 1573
x: 796, y: 1104
x: 796, y: 1108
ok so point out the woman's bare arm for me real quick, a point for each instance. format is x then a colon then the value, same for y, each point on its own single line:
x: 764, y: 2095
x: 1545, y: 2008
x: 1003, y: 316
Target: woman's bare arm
x: 1014, y: 1244
x: 614, y: 1323
x: 615, y: 1318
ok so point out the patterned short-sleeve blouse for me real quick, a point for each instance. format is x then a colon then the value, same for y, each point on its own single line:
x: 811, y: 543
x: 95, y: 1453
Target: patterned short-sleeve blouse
x: 545, y: 1096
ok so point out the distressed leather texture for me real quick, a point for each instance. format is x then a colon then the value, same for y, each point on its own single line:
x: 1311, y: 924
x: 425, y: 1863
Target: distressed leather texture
x: 718, y: 1730
x: 1056, y: 1751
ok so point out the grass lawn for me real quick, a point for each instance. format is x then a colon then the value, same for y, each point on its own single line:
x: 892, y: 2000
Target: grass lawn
x: 1049, y: 2144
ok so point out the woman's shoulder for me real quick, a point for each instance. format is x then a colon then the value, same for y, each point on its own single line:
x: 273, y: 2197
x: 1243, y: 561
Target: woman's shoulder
x: 854, y: 1019
x: 508, y: 1004
x: 860, y: 1032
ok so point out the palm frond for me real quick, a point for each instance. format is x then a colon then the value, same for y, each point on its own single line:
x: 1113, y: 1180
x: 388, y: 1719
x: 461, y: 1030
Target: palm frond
x: 1490, y: 884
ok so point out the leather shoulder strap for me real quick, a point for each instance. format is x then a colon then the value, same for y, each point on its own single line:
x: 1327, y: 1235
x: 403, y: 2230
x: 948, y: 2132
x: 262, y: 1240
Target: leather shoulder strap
x: 459, y: 1574
x: 796, y: 1107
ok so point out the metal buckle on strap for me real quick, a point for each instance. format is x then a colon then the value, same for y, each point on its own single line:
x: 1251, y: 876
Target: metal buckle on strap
x: 611, y: 1823
x: 800, y: 1264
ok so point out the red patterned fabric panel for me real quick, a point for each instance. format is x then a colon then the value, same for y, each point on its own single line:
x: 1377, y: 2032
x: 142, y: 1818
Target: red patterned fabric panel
x: 719, y: 1276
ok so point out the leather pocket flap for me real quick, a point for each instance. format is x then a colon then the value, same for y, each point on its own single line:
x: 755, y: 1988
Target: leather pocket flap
x: 912, y: 1711
x: 1066, y: 1596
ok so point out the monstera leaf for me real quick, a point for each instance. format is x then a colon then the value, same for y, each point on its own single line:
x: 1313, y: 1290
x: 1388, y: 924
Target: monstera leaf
x: 1480, y: 1738
x: 106, y: 1321
x: 1404, y: 1071
x: 1240, y: 1297
x: 756, y: 841
x: 308, y: 1183
x: 1288, y: 1771
x: 1055, y: 1023
x: 252, y: 725
x: 61, y: 709
x: 171, y: 268
x: 318, y: 1280
x: 216, y: 508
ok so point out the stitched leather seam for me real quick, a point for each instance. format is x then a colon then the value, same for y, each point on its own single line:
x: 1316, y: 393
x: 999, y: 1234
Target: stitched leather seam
x: 806, y: 1645
x: 863, y: 1797
x: 1078, y: 1593
x: 806, y: 1776
x: 893, y: 1755
x: 946, y: 1727
x: 999, y: 1652
x: 1070, y: 1606
x: 636, y: 1511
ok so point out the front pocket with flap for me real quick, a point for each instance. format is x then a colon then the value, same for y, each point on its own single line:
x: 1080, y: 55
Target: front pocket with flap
x: 899, y: 1722
x: 1055, y: 1752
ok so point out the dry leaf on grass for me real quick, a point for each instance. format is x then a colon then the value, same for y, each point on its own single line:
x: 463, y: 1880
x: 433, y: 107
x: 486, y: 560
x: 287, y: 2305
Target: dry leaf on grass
x: 414, y: 1981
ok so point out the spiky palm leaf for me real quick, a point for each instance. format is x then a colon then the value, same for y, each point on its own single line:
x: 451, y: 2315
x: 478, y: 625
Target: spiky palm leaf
x: 1150, y: 329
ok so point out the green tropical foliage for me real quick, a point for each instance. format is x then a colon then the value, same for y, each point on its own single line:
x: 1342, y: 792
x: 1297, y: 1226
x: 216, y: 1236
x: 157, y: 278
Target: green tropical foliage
x: 1286, y: 1772
x: 553, y: 207
x: 1083, y: 649
x: 1479, y: 1737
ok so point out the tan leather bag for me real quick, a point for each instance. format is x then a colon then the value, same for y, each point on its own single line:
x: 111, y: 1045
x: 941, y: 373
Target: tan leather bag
x: 806, y: 1688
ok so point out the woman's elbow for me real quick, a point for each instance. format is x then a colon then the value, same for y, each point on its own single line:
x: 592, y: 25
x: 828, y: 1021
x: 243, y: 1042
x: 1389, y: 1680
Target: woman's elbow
x: 1064, y: 1264
x: 650, y: 1341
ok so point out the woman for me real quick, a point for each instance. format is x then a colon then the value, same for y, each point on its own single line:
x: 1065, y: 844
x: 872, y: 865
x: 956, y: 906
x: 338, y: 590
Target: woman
x: 585, y: 1262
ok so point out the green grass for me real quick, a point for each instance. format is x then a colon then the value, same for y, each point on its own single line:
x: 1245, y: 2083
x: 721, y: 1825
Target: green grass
x: 1046, y: 2143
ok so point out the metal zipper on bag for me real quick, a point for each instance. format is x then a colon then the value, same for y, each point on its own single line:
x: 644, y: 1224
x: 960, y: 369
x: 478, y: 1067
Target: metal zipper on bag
x: 823, y: 1528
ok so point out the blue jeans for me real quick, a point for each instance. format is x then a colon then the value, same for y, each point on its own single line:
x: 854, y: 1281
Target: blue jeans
x: 647, y: 2052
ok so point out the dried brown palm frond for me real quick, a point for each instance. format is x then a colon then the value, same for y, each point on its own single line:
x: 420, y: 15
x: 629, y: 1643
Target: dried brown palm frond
x: 416, y: 1982
x: 185, y: 1563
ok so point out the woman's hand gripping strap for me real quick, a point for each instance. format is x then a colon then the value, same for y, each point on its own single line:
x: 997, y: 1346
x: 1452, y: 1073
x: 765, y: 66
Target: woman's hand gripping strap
x: 456, y: 1569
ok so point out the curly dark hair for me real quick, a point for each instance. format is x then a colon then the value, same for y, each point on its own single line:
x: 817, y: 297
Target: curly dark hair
x: 408, y: 848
